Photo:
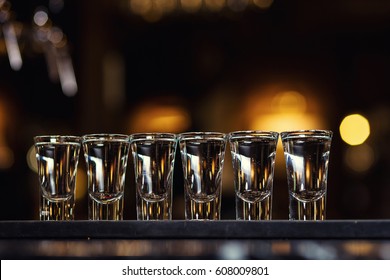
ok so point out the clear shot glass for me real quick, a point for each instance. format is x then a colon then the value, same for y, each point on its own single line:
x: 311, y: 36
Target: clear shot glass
x: 306, y: 153
x: 253, y: 159
x: 106, y: 159
x: 153, y: 158
x: 57, y: 158
x: 202, y: 155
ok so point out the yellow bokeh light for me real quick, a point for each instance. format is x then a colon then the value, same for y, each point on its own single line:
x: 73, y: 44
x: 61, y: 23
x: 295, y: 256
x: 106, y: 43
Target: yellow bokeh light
x: 282, y: 122
x: 278, y: 108
x: 287, y: 111
x: 161, y: 118
x: 354, y: 129
x: 289, y: 102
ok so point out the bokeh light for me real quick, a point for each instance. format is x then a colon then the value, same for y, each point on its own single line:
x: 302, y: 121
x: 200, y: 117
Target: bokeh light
x: 215, y: 5
x: 191, y: 6
x: 41, y: 17
x: 360, y: 158
x: 159, y: 117
x: 354, y: 129
x: 32, y: 159
x: 6, y: 157
x: 287, y: 110
x: 81, y: 183
x: 263, y: 4
x: 140, y: 7
x: 278, y: 109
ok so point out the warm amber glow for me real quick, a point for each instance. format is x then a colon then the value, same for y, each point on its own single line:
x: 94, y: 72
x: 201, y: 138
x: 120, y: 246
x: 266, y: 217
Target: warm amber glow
x: 281, y: 248
x: 191, y: 5
x: 214, y: 5
x: 140, y: 7
x: 6, y: 153
x: 166, y: 5
x: 153, y: 16
x: 81, y: 183
x: 287, y: 111
x: 263, y: 4
x: 159, y: 118
x: 354, y: 129
x: 152, y: 10
x: 360, y: 158
x: 289, y: 102
x: 359, y: 248
x: 277, y: 109
x: 237, y: 5
x: 282, y: 122
x: 6, y: 157
x: 57, y: 37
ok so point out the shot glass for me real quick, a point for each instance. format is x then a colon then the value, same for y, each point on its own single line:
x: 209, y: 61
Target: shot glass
x: 57, y: 158
x: 106, y: 159
x: 202, y: 155
x: 153, y: 158
x: 306, y: 154
x: 253, y: 159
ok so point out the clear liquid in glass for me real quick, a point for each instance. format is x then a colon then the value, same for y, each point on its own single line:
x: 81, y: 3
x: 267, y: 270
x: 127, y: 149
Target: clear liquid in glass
x: 307, y: 170
x: 202, y: 166
x: 106, y: 167
x: 253, y: 167
x: 153, y: 165
x: 57, y: 169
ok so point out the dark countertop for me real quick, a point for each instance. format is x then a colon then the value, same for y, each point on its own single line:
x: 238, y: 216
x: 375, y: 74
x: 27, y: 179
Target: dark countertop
x: 225, y: 239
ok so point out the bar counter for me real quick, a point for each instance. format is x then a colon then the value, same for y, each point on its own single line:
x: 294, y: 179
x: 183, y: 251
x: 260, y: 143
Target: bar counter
x: 224, y: 239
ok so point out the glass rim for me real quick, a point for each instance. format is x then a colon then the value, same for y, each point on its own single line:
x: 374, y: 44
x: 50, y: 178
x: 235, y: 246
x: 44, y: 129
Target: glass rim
x: 202, y: 135
x: 245, y: 134
x: 105, y: 136
x: 57, y: 139
x: 152, y: 136
x: 305, y: 133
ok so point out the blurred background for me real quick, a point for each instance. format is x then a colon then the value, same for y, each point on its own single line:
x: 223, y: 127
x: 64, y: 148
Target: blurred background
x: 125, y: 66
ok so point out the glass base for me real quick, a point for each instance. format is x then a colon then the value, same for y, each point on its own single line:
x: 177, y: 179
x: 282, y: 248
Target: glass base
x: 105, y: 211
x: 208, y: 210
x: 307, y: 211
x: 154, y: 210
x: 260, y: 210
x: 56, y: 210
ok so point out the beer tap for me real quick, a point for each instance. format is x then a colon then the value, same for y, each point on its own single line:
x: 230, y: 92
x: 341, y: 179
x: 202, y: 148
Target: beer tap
x: 10, y: 36
x: 55, y: 46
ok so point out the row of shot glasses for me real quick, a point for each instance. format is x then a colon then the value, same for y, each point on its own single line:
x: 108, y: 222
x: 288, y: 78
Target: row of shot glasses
x: 202, y: 154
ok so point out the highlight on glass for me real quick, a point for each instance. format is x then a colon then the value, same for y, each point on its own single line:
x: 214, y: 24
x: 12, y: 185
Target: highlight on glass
x: 306, y: 154
x: 202, y: 155
x: 106, y: 159
x: 57, y: 158
x: 253, y: 158
x: 154, y: 160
